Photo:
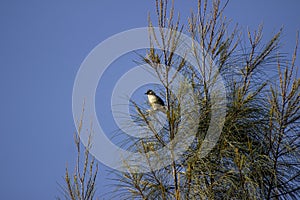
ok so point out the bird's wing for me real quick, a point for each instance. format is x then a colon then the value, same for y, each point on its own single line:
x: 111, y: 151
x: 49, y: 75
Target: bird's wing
x: 160, y: 101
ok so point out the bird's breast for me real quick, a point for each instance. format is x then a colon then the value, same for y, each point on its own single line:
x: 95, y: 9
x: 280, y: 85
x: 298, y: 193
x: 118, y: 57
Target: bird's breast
x: 152, y: 99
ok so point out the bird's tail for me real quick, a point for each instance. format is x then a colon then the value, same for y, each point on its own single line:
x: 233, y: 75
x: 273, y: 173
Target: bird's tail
x: 164, y: 109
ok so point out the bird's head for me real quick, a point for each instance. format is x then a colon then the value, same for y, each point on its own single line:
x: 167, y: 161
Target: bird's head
x: 150, y: 92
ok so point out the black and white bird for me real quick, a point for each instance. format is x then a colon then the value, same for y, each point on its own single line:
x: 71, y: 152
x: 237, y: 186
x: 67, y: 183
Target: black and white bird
x: 155, y: 101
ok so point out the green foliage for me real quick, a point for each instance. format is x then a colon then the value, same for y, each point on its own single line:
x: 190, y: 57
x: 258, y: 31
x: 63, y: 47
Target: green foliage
x: 82, y: 184
x: 257, y: 154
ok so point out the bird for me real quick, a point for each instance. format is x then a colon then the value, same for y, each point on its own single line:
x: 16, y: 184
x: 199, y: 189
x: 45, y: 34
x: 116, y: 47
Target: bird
x: 155, y: 101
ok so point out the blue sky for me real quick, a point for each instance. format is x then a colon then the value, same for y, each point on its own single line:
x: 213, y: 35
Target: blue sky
x: 42, y: 44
